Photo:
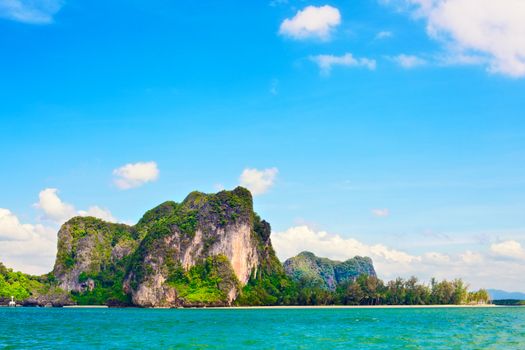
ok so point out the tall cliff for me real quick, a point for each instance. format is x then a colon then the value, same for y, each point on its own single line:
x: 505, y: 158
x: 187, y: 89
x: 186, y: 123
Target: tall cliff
x: 89, y: 248
x: 307, y: 268
x: 211, y: 249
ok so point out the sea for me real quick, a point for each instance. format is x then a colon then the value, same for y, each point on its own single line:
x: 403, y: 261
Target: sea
x: 356, y: 328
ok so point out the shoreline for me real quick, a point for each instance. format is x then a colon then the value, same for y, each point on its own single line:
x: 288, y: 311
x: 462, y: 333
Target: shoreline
x: 313, y: 307
x: 291, y: 307
x: 85, y: 307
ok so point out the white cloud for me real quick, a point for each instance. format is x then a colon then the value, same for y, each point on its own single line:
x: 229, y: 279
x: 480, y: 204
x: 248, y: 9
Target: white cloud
x: 26, y: 247
x: 326, y: 62
x: 312, y: 22
x: 391, y: 255
x: 471, y: 258
x: 409, y: 61
x: 508, y: 249
x: 480, y: 270
x: 300, y: 238
x: 381, y: 213
x: 30, y: 11
x: 258, y: 181
x: 384, y: 35
x: 11, y: 229
x: 437, y: 258
x: 59, y: 211
x: 135, y: 175
x: 488, y: 32
x: 53, y: 207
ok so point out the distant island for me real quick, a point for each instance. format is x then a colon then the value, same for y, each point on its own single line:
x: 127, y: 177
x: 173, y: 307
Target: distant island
x: 208, y: 250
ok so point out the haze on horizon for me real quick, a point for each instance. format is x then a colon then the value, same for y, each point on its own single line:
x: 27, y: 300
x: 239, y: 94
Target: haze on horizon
x: 387, y: 128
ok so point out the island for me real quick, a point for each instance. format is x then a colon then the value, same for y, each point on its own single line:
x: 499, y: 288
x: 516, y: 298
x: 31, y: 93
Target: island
x: 210, y: 250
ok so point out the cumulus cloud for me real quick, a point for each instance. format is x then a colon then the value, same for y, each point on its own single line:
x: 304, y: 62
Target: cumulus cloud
x: 409, y: 61
x: 508, y: 249
x: 59, y: 211
x: 381, y: 213
x: 481, y: 270
x: 26, y: 247
x: 300, y: 238
x: 11, y: 229
x: 258, y: 181
x: 470, y: 257
x: 53, y: 207
x: 312, y: 22
x: 484, y: 32
x: 134, y: 175
x: 30, y: 11
x: 327, y: 62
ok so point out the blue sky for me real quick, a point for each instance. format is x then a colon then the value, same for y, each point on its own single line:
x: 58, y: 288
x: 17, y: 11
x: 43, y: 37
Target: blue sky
x: 386, y: 128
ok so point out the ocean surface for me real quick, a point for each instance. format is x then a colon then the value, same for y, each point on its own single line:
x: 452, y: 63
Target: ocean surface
x: 449, y: 328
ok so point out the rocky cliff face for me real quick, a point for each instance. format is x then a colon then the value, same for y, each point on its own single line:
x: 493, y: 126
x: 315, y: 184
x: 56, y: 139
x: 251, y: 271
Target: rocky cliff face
x: 86, y: 247
x: 208, y: 250
x: 307, y: 268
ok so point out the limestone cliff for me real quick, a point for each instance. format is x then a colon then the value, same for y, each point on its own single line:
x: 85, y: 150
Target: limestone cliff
x: 87, y: 247
x: 325, y: 273
x: 210, y: 249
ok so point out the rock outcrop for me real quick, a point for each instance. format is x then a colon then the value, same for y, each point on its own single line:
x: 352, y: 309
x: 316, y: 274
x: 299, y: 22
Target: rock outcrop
x: 211, y: 249
x: 309, y: 269
x: 86, y: 247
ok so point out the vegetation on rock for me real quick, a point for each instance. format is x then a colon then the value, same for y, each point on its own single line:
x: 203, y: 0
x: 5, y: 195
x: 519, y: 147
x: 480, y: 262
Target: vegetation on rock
x: 177, y: 254
x: 311, y: 271
x: 30, y: 290
x: 207, y: 283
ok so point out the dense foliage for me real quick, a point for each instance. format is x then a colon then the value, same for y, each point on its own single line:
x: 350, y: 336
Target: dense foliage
x: 326, y: 273
x: 206, y: 283
x: 16, y: 284
x: 107, y: 287
x: 26, y: 288
x: 509, y: 302
x: 370, y: 290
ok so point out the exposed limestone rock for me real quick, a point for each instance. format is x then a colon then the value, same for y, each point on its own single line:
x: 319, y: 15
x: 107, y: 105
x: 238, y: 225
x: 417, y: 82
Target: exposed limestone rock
x: 87, y: 245
x: 239, y: 246
x: 200, y: 252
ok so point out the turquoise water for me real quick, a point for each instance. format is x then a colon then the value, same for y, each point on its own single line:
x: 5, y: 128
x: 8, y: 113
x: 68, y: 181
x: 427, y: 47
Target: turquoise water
x: 487, y: 328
